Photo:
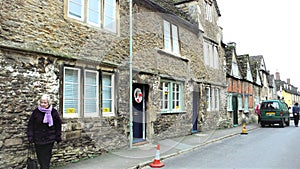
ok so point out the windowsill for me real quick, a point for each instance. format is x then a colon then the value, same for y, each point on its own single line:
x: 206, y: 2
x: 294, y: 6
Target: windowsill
x: 162, y: 51
x: 172, y: 112
x: 93, y: 26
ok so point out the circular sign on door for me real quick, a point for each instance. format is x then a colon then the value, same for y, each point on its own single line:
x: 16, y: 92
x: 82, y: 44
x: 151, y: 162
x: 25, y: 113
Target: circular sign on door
x: 138, y: 95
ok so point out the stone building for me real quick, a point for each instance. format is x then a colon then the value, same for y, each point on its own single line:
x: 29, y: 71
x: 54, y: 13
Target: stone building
x: 78, y: 52
x: 265, y: 94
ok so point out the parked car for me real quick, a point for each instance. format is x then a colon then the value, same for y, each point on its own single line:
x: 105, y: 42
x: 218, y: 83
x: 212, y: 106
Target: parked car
x: 274, y: 112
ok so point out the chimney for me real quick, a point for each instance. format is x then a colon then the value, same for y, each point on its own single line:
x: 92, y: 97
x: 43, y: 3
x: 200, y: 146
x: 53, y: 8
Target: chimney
x: 288, y: 80
x: 277, y: 76
x: 231, y: 44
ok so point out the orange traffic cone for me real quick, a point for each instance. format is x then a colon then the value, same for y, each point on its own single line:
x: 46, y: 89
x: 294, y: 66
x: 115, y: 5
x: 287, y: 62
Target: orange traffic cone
x: 244, y: 131
x: 156, y: 163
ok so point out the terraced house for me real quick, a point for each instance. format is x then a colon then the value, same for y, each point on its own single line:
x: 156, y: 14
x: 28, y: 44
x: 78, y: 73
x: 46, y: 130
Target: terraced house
x: 78, y: 52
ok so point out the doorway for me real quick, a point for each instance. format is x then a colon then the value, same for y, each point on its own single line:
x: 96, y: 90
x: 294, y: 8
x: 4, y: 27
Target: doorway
x: 139, y: 104
x: 196, y: 100
x: 235, y: 110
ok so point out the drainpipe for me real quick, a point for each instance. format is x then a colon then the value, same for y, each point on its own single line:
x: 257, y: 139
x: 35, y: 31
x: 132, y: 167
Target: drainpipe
x: 130, y: 72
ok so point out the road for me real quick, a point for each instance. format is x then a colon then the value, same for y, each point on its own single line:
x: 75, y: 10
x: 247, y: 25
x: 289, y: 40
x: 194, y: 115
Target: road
x: 263, y: 148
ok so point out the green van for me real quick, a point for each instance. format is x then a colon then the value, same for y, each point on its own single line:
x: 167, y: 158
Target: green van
x: 274, y: 111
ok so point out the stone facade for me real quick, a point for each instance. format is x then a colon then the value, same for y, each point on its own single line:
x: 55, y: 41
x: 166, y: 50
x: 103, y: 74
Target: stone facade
x: 38, y: 40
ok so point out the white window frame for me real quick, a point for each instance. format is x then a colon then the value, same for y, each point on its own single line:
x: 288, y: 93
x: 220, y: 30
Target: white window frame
x: 171, y: 38
x: 113, y: 5
x: 171, y: 93
x: 240, y: 102
x: 72, y: 112
x: 208, y: 11
x: 211, y: 55
x: 96, y: 113
x: 81, y: 18
x: 246, y: 104
x: 111, y: 112
x: 229, y: 102
x: 102, y: 13
x: 89, y: 9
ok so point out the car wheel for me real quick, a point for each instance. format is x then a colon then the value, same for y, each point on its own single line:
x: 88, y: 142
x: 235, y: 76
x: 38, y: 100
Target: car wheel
x: 262, y: 124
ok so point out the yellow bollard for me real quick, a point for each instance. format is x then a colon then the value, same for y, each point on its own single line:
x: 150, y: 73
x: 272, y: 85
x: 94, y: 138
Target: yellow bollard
x: 244, y: 130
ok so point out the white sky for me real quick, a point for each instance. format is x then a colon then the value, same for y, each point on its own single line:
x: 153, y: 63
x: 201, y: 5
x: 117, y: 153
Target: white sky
x: 265, y: 27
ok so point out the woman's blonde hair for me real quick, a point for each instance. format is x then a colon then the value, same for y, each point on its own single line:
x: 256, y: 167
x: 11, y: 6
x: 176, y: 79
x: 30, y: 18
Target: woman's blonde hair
x: 46, y: 97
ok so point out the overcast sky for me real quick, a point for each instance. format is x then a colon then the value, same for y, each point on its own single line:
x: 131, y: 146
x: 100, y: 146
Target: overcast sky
x: 265, y: 27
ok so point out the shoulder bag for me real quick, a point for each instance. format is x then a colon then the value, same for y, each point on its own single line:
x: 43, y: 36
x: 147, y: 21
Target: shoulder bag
x: 31, y: 158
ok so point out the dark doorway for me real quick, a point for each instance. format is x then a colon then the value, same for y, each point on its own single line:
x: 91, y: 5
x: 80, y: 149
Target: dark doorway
x: 196, y: 99
x: 139, y: 101
x: 235, y: 110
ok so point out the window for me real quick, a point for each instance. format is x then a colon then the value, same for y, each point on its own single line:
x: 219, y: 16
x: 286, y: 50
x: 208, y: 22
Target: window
x: 212, y: 98
x: 107, y: 95
x: 91, y: 88
x: 171, y: 96
x: 171, y: 40
x: 246, y: 105
x: 100, y: 13
x: 208, y: 11
x: 211, y: 56
x: 71, y: 98
x: 229, y: 102
x: 81, y: 89
x: 240, y: 102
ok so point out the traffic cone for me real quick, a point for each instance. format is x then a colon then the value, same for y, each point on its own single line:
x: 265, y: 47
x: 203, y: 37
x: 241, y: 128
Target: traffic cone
x: 244, y: 131
x: 156, y: 163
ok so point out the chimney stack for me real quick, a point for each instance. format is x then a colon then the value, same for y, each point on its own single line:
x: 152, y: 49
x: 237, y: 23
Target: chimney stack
x: 277, y: 76
x: 231, y: 44
x: 288, y: 80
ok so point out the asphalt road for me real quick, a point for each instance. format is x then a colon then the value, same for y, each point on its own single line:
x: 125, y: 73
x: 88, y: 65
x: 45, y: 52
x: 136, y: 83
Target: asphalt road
x: 264, y: 148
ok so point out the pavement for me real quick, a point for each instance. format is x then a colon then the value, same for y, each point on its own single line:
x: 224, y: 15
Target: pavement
x: 143, y: 155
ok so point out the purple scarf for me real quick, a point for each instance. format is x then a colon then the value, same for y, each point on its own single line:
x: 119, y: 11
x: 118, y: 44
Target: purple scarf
x: 48, y: 117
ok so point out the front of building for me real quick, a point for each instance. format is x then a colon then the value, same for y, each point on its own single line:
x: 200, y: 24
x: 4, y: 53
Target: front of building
x: 78, y: 52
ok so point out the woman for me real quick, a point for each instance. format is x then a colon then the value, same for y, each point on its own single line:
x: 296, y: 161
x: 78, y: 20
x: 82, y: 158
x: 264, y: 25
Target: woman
x: 44, y: 128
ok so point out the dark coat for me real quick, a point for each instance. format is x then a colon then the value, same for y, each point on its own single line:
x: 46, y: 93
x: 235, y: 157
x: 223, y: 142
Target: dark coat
x: 39, y: 132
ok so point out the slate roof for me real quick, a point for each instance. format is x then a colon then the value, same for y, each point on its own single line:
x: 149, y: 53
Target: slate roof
x: 229, y: 49
x: 260, y: 60
x: 168, y: 7
x: 254, y: 66
x: 242, y: 64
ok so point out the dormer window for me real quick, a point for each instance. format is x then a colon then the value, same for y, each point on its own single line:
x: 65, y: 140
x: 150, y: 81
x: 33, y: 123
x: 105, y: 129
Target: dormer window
x: 98, y: 13
x: 171, y: 40
x: 208, y: 10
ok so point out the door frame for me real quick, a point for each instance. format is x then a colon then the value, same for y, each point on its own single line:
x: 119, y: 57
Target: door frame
x: 144, y: 88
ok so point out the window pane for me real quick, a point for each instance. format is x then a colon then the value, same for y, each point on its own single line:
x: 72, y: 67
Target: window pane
x: 110, y: 15
x: 75, y: 8
x: 167, y: 36
x: 71, y: 93
x: 106, y: 92
x: 175, y: 41
x: 94, y: 12
x: 107, y: 105
x: 107, y: 95
x: 91, y: 92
